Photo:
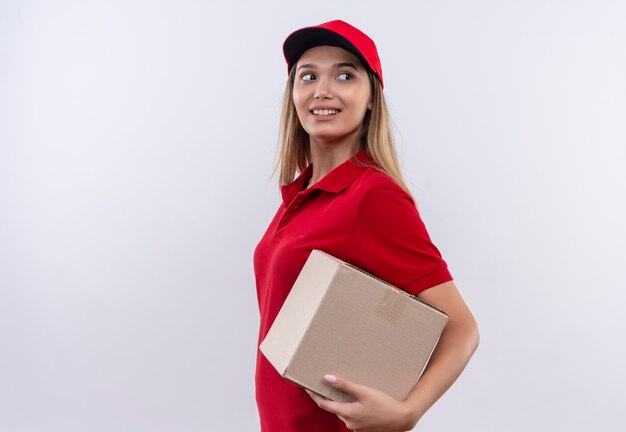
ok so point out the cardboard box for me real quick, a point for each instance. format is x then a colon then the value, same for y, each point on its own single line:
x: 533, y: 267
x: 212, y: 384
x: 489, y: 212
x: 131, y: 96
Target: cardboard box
x: 340, y: 320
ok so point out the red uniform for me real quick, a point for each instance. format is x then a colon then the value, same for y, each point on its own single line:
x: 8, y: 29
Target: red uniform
x: 359, y: 215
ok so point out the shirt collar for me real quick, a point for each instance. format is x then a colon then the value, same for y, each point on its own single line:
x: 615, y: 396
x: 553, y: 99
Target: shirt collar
x: 334, y: 182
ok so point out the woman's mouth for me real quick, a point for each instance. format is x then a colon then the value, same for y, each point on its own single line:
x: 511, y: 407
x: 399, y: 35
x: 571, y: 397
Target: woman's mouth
x: 325, y: 112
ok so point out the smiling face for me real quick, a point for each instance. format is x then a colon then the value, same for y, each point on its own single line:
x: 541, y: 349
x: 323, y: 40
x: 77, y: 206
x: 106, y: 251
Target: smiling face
x: 331, y: 94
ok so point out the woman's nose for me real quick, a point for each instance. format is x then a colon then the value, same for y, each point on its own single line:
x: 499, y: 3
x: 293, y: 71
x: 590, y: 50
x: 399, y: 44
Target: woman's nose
x: 323, y: 89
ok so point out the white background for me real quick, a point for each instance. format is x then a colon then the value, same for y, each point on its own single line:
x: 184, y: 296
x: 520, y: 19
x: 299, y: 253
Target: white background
x: 137, y: 140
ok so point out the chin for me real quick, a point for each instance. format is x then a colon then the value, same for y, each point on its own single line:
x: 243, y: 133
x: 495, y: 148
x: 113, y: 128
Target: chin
x: 330, y: 139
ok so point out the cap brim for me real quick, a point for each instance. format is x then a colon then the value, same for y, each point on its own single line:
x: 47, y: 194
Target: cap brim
x: 304, y: 39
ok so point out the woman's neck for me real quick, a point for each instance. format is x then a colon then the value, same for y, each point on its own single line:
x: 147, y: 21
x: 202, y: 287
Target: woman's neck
x: 326, y: 158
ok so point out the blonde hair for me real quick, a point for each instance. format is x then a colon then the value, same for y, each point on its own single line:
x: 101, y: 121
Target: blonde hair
x: 294, y: 153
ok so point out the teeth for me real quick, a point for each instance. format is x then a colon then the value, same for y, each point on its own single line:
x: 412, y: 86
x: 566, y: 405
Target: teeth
x: 325, y: 112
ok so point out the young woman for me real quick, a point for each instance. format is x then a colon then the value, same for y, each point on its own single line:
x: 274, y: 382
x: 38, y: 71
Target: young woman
x: 349, y: 200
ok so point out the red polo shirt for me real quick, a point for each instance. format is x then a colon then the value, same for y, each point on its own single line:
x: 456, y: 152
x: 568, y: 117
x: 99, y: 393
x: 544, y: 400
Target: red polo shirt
x: 359, y: 215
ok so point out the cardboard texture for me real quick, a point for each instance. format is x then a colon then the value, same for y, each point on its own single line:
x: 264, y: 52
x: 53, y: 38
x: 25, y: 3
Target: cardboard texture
x: 340, y: 320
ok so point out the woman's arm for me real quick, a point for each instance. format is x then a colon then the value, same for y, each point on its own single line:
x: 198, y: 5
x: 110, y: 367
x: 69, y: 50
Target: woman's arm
x: 458, y: 342
x: 374, y: 411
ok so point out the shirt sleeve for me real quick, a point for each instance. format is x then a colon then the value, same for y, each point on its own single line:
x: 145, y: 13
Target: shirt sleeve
x: 390, y: 241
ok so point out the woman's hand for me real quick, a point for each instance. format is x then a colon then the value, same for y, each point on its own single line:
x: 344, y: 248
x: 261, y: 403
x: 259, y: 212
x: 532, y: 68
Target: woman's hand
x: 372, y: 411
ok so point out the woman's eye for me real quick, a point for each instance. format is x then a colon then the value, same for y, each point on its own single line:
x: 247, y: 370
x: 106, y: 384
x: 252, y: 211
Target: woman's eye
x: 308, y: 77
x: 345, y: 76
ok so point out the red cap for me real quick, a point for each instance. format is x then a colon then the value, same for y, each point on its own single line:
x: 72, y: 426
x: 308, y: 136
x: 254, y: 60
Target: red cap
x: 335, y: 33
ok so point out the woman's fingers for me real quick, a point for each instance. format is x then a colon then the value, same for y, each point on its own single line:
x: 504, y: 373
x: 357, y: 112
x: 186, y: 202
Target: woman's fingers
x: 346, y: 386
x: 338, y: 408
x: 372, y: 410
